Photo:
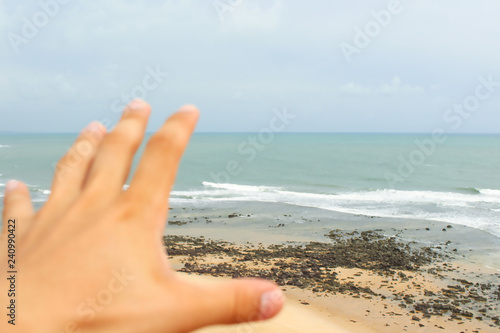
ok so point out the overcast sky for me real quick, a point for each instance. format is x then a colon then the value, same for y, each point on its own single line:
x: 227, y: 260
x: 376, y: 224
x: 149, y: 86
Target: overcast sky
x: 338, y: 66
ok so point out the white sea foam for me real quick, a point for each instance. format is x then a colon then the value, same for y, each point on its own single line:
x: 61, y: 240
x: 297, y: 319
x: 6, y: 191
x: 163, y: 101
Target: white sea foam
x: 493, y: 193
x: 236, y: 187
x: 4, y: 146
x: 478, y: 210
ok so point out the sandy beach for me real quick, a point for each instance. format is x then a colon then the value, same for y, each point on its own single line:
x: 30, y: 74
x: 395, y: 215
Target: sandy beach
x: 353, y: 280
x: 306, y: 311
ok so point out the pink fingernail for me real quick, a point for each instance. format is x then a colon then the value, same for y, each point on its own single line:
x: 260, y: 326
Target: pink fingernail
x: 137, y: 104
x: 11, y: 186
x: 94, y: 126
x: 270, y: 303
x: 188, y: 108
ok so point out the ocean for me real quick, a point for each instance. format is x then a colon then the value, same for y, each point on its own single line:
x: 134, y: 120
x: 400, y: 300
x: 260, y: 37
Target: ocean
x: 406, y: 176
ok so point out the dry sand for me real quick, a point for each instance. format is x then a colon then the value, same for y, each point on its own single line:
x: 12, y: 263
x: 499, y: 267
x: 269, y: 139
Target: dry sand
x: 295, y: 317
x: 306, y: 311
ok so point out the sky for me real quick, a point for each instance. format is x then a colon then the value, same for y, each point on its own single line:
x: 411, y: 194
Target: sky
x: 330, y: 66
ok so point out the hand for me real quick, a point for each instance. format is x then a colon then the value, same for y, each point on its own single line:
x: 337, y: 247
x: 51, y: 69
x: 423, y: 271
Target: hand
x: 92, y: 258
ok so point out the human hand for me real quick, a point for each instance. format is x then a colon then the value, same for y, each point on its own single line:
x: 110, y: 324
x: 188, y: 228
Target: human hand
x: 92, y: 258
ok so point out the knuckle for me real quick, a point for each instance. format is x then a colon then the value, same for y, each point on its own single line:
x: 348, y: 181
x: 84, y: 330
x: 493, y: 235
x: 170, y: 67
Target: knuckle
x: 66, y: 165
x: 83, y: 148
x: 127, y: 211
x: 91, y: 136
x: 130, y: 206
x: 143, y: 203
x: 172, y: 140
x: 121, y: 138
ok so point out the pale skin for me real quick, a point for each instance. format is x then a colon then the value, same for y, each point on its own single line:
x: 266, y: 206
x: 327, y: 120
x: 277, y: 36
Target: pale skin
x: 92, y: 258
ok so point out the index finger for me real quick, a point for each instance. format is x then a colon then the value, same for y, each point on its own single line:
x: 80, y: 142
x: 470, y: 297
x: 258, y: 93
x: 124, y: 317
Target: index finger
x: 155, y: 175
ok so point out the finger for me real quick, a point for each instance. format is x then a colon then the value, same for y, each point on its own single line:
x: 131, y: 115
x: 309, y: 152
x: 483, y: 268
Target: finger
x: 72, y: 169
x: 113, y: 160
x: 156, y: 172
x: 236, y: 301
x: 18, y: 207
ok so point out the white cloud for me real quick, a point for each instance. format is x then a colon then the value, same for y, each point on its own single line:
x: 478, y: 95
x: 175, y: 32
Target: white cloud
x: 353, y: 88
x: 396, y: 87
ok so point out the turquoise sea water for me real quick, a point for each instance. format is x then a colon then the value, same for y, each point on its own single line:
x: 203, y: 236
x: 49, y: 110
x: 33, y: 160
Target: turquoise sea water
x: 385, y: 175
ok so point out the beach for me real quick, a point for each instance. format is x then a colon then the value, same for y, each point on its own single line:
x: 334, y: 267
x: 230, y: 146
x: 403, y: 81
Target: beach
x: 316, y: 214
x: 383, y: 276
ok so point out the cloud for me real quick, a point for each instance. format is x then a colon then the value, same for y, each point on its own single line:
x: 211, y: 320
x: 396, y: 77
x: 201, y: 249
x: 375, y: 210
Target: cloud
x: 396, y: 87
x: 265, y: 53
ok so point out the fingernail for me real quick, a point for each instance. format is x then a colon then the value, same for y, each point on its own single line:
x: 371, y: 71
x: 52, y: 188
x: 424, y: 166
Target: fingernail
x: 94, y: 126
x: 188, y: 108
x: 270, y: 303
x: 11, y: 186
x: 137, y: 104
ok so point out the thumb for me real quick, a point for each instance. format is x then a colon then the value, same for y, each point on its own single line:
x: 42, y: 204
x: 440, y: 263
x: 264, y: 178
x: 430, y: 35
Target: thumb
x: 237, y: 301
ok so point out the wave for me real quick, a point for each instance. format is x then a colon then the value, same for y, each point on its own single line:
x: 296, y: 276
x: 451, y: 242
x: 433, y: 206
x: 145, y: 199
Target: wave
x: 237, y: 187
x: 374, y: 196
x: 471, y: 190
x: 4, y: 146
x: 494, y: 193
x: 478, y: 209
x: 38, y: 194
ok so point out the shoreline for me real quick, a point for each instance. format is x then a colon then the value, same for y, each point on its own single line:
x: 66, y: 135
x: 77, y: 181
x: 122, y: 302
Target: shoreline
x: 272, y: 223
x: 426, y: 286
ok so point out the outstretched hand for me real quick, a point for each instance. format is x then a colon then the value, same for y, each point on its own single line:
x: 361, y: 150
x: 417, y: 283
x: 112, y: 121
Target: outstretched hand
x: 92, y: 258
